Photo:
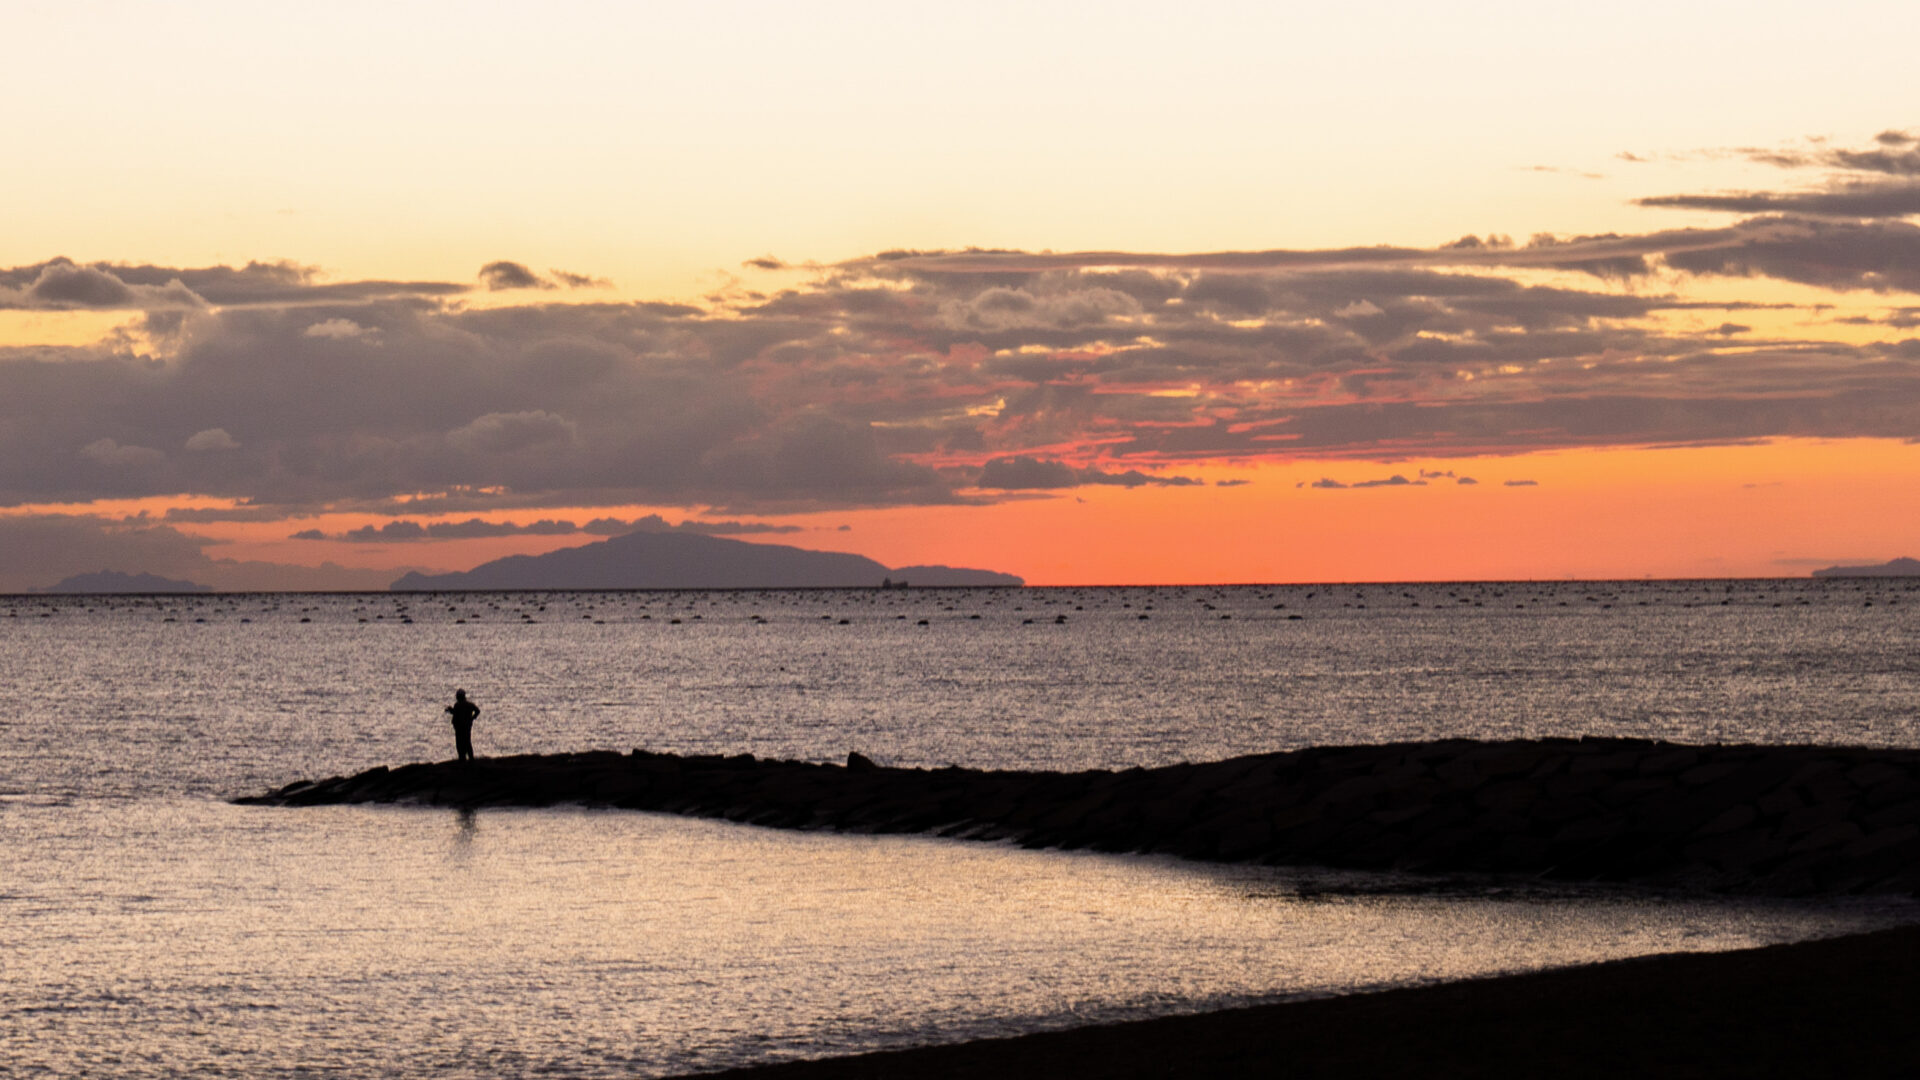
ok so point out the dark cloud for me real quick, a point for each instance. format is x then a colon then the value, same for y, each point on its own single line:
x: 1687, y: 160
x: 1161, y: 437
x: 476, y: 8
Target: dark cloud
x: 858, y: 391
x: 1855, y: 200
x: 112, y: 455
x: 1135, y: 478
x: 1397, y: 480
x: 1541, y: 251
x: 211, y: 440
x: 391, y: 532
x: 1020, y: 473
x: 62, y: 285
x: 1901, y: 162
x: 1026, y: 473
x: 1878, y: 255
x: 79, y: 286
x: 405, y: 530
x: 765, y: 262
x: 514, y: 433
x: 814, y: 458
x: 580, y: 281
x: 474, y: 528
x: 1522, y: 483
x: 511, y: 275
x: 160, y: 290
x: 206, y: 514
x: 1893, y: 152
x: 45, y: 549
x: 259, y: 283
x: 1470, y: 242
x: 656, y: 523
x: 503, y: 275
x: 401, y: 531
x: 1878, y: 181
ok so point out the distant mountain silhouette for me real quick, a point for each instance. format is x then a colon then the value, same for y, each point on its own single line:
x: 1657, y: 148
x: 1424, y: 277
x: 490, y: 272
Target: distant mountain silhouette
x: 1901, y: 567
x: 950, y: 575
x: 660, y: 560
x: 113, y: 581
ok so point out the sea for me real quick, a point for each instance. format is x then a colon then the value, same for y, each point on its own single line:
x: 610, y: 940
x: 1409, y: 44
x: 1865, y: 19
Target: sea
x: 150, y: 928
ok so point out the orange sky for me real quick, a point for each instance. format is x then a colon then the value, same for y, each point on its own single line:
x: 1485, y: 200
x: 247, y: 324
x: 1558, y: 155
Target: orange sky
x: 1728, y: 511
x: 1614, y: 514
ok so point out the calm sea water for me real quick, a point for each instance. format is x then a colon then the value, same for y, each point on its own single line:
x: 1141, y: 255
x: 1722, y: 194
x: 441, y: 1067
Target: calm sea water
x: 148, y: 928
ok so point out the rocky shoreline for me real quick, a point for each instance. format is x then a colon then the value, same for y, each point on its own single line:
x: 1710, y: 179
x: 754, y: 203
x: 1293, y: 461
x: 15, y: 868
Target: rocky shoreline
x: 1760, y: 820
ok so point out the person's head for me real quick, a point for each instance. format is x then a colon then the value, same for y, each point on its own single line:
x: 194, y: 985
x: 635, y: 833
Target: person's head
x: 460, y: 695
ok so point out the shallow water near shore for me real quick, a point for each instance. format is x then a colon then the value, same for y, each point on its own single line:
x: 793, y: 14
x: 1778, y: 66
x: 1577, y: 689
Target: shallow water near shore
x: 147, y: 928
x: 237, y: 941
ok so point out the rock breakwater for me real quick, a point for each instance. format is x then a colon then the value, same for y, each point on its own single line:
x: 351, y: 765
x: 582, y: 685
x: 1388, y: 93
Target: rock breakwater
x: 1772, y: 820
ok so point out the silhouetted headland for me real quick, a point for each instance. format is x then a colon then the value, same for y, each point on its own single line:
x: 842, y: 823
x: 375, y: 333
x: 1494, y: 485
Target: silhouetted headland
x: 1762, y: 820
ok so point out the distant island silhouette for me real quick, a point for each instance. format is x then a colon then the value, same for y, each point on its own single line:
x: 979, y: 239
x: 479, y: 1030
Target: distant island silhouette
x: 115, y: 581
x: 1901, y: 567
x: 659, y: 560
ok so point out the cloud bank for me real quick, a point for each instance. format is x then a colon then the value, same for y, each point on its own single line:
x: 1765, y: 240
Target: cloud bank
x: 923, y: 378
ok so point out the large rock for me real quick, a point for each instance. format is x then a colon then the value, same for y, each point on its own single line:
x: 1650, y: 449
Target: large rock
x: 1777, y: 820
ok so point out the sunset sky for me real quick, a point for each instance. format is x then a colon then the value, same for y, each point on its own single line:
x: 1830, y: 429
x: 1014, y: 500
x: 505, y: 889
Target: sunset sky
x: 307, y: 296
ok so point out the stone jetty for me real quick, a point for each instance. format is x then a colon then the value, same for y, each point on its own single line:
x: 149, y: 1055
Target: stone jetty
x: 1764, y: 820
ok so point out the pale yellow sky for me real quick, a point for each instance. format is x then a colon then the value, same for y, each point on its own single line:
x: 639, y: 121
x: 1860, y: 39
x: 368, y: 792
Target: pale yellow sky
x: 661, y: 145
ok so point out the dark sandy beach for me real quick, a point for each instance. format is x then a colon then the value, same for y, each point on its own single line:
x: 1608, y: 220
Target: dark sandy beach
x: 1839, y: 1007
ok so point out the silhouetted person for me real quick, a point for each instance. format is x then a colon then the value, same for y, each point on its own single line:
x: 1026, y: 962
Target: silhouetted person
x: 463, y: 712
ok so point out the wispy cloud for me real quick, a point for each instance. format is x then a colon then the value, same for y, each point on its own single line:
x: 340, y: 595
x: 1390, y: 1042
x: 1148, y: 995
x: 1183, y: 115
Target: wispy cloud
x: 1877, y: 181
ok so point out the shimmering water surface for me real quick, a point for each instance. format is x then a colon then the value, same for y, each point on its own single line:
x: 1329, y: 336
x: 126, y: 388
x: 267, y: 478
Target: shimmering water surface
x: 148, y: 928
